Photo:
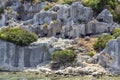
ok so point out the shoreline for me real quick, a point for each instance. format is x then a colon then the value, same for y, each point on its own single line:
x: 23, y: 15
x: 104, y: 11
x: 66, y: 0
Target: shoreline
x: 27, y: 75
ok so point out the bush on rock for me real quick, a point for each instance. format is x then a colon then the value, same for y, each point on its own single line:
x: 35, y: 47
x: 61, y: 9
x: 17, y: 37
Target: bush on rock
x: 18, y: 36
x: 100, y: 44
x: 116, y: 33
x: 63, y: 56
x: 91, y: 53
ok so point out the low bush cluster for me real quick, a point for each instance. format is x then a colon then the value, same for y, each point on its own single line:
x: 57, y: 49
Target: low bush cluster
x: 91, y: 53
x: 47, y: 7
x: 68, y: 1
x: 63, y: 56
x: 18, y: 36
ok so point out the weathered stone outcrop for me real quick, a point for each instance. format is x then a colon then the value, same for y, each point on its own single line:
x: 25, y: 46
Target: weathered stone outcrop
x: 105, y: 16
x: 65, y: 21
x: 112, y: 53
x: 110, y: 56
x: 27, y: 11
x: 33, y: 55
x: 95, y: 27
x: 29, y: 56
x: 75, y: 12
x: 80, y: 12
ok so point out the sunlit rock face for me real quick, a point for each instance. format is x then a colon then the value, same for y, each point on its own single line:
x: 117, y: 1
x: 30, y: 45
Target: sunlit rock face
x: 80, y: 12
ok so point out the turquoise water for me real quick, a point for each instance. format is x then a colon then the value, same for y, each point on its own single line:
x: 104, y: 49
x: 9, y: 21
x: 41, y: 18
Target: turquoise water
x: 33, y: 76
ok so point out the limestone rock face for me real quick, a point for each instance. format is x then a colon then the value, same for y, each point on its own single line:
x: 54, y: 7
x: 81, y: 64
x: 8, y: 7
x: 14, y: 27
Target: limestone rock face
x: 73, y: 30
x: 110, y: 56
x: 75, y: 12
x: 95, y: 27
x: 105, y: 16
x: 81, y: 13
x: 63, y: 13
x: 27, y: 11
x: 29, y: 56
x: 44, y: 17
x: 64, y: 21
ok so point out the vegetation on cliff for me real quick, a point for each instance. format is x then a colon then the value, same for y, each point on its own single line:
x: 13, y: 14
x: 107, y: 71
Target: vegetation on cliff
x: 99, y: 5
x: 116, y: 33
x: 18, y: 36
x: 100, y: 44
x: 63, y: 56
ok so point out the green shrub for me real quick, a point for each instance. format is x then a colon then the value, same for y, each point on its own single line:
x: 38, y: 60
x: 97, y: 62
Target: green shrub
x: 69, y: 1
x: 91, y: 53
x: 63, y: 56
x: 116, y: 33
x: 116, y: 16
x: 54, y: 0
x: 47, y: 7
x: 1, y: 10
x: 28, y: 1
x: 100, y: 44
x: 18, y: 36
x: 91, y: 3
x: 99, y: 5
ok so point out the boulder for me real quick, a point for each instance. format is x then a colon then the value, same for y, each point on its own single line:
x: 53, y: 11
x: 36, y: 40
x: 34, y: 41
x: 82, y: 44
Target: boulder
x: 27, y: 11
x: 44, y: 17
x: 110, y: 56
x: 63, y: 13
x: 81, y: 13
x: 105, y: 16
x: 94, y: 27
x: 73, y: 30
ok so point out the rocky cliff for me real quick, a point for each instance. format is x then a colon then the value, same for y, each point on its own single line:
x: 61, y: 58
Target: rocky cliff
x: 61, y: 21
x: 38, y: 53
x: 65, y: 21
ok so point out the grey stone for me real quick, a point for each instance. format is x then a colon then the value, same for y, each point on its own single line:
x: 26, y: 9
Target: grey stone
x: 87, y: 38
x: 105, y: 16
x: 110, y: 55
x: 95, y: 27
x: 30, y: 56
x: 81, y: 13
